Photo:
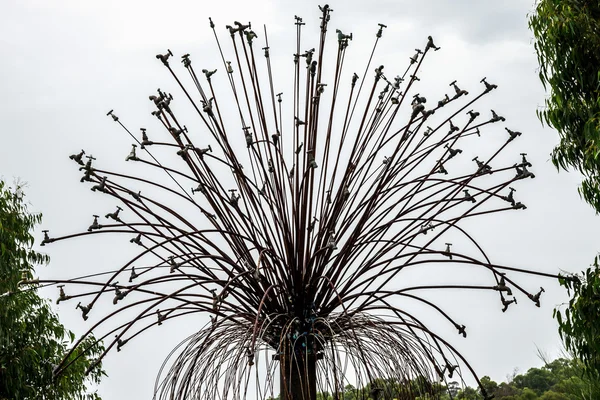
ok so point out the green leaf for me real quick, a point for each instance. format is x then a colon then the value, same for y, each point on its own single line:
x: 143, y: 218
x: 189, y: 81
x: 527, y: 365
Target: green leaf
x: 31, y: 336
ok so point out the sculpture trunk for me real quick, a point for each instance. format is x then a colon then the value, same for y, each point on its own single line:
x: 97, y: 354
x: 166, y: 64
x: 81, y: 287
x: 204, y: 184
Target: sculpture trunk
x: 298, y: 376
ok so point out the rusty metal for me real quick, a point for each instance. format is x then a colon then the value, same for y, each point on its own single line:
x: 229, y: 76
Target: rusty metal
x: 298, y: 233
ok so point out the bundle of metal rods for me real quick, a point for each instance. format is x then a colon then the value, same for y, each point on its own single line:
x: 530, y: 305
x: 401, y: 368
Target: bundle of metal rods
x: 297, y: 234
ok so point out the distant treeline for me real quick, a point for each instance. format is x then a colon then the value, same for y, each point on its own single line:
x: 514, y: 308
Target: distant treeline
x: 561, y: 379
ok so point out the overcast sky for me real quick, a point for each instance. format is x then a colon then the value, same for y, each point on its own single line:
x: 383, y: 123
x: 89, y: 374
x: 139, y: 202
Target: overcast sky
x: 66, y: 63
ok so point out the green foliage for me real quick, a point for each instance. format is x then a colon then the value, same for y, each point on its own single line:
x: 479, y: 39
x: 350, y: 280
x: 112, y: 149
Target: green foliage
x: 488, y: 384
x: 537, y: 380
x: 578, y: 324
x: 560, y: 379
x: 567, y: 42
x: 469, y: 393
x: 554, y: 396
x: 528, y: 394
x: 32, y: 340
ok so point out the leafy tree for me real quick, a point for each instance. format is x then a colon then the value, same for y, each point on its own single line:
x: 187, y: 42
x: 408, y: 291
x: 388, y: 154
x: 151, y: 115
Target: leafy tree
x: 561, y: 379
x: 32, y: 340
x: 324, y: 396
x: 489, y: 385
x: 554, y: 396
x: 349, y: 392
x: 469, y: 393
x: 506, y: 391
x: 536, y: 379
x: 527, y: 394
x: 578, y: 324
x: 561, y: 368
x: 453, y: 388
x: 567, y: 42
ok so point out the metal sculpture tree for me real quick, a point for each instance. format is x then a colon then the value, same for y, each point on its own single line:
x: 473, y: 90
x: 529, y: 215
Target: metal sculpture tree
x: 297, y: 233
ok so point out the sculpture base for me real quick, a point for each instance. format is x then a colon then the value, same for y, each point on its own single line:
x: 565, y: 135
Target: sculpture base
x: 298, y: 376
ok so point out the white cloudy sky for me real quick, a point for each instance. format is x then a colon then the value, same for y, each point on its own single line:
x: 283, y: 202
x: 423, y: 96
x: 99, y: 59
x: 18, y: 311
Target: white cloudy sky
x: 66, y: 63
